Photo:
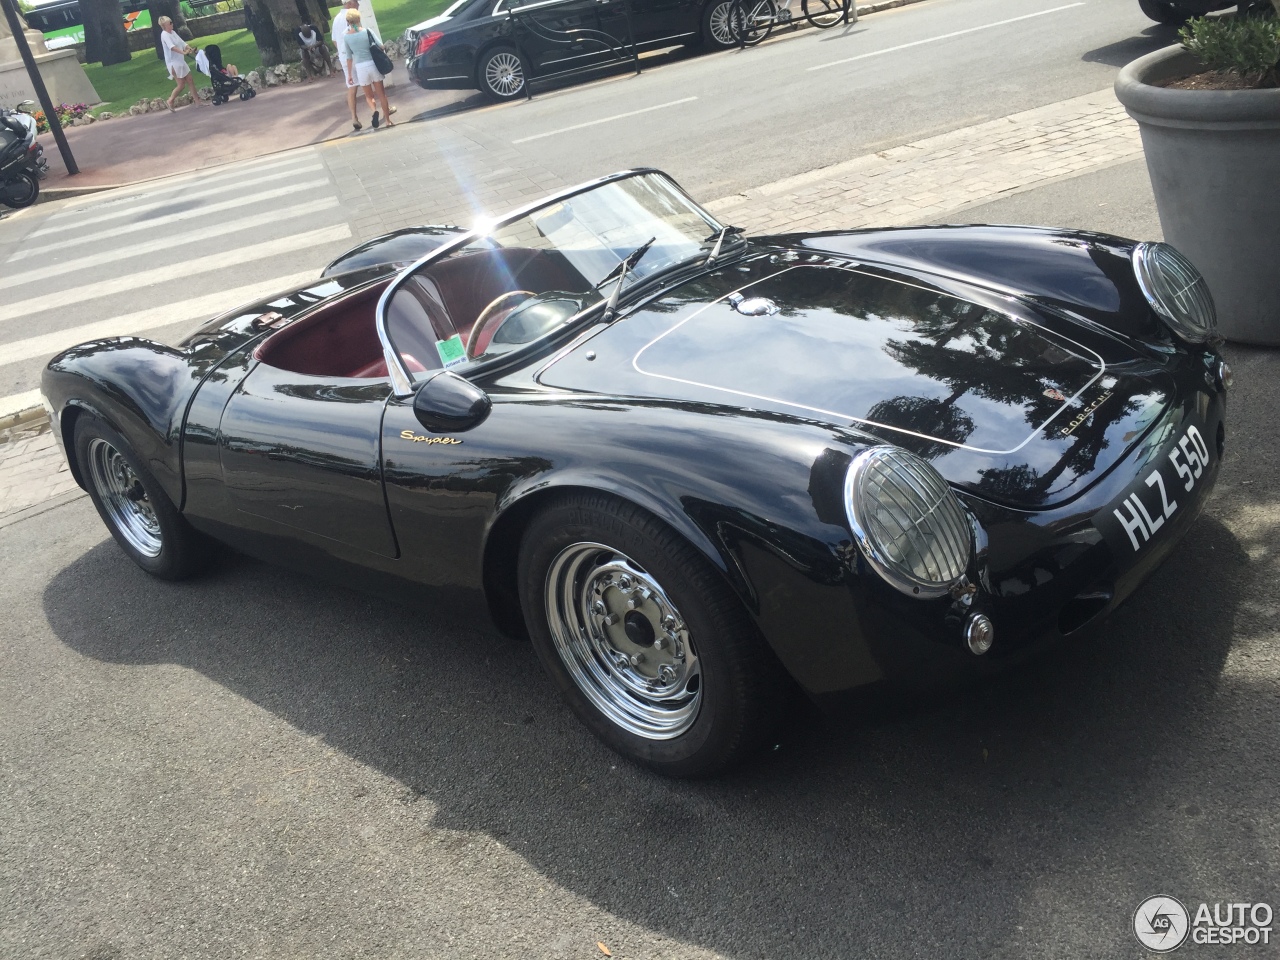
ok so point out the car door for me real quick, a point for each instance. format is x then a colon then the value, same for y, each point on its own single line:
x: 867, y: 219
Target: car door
x: 301, y: 454
x: 656, y: 23
x: 560, y: 35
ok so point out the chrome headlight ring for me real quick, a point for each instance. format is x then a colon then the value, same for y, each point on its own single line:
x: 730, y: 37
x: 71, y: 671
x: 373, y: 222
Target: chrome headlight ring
x: 907, y: 522
x: 1176, y: 291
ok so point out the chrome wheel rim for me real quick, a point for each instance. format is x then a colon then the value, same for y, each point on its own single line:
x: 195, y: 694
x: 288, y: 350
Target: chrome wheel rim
x: 504, y: 75
x: 721, y: 24
x: 623, y: 641
x: 124, y: 498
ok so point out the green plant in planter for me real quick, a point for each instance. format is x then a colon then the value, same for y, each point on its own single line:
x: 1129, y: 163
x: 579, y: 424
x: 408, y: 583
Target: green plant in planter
x: 1249, y: 47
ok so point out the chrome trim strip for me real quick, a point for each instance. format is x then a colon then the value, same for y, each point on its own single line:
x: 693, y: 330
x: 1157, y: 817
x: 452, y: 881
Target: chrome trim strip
x: 635, y: 364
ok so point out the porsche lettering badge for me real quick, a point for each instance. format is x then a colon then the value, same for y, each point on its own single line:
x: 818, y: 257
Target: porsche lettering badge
x: 416, y: 438
x: 1083, y: 415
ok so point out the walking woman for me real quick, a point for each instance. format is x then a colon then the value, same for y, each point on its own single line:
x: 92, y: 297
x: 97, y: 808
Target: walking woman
x: 361, y: 72
x: 175, y: 58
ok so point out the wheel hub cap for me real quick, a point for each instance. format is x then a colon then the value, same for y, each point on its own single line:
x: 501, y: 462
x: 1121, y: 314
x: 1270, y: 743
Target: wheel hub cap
x: 124, y: 498
x: 623, y: 642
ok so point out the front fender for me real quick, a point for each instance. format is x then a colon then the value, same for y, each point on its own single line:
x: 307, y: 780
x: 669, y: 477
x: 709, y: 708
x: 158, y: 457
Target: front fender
x: 1088, y: 274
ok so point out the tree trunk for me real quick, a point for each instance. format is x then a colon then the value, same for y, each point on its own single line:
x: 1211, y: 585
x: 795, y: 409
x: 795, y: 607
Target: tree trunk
x: 264, y: 32
x: 173, y: 10
x: 284, y: 20
x: 105, y: 38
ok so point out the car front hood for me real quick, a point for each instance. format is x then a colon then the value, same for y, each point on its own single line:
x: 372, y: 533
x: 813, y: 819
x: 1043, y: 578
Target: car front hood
x: 1009, y: 402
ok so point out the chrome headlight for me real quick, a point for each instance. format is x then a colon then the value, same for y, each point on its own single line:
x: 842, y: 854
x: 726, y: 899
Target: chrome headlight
x: 1176, y: 290
x: 907, y: 522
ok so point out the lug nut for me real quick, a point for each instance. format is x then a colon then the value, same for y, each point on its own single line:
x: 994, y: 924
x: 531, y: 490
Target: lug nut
x: 637, y: 659
x: 610, y: 620
x: 667, y: 673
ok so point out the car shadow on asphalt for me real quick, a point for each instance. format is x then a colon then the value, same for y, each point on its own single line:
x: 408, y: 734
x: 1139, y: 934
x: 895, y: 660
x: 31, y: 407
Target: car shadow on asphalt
x: 949, y: 818
x: 1123, y: 51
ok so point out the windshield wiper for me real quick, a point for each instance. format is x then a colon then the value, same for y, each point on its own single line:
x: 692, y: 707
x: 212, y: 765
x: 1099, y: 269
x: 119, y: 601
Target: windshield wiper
x: 625, y: 265
x: 719, y: 237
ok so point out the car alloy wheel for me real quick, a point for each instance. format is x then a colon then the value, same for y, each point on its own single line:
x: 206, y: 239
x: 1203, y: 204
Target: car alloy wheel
x: 504, y: 74
x: 623, y: 641
x: 124, y: 499
x: 720, y: 24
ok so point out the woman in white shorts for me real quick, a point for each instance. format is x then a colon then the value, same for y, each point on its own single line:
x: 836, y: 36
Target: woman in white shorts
x: 175, y: 58
x: 361, y: 72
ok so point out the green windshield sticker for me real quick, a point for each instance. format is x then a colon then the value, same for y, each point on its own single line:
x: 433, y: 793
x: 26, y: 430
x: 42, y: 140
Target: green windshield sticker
x: 451, y: 351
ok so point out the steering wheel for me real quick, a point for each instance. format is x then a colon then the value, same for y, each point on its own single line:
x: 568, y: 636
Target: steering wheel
x: 491, y: 318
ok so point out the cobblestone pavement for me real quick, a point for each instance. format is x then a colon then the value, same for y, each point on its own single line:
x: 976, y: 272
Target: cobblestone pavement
x: 32, y: 469
x: 923, y: 180
x: 452, y: 177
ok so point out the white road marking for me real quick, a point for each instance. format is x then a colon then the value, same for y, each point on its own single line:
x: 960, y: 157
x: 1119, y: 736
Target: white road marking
x: 253, y: 198
x: 203, y: 191
x: 592, y: 123
x: 945, y: 36
x: 165, y: 243
x: 140, y: 279
x: 156, y: 188
x: 155, y: 318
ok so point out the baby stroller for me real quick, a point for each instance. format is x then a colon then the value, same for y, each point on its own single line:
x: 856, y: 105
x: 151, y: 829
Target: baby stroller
x: 224, y: 85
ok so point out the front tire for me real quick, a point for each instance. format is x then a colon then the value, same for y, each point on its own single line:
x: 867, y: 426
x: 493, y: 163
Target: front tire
x: 502, y: 74
x: 1163, y: 12
x: 648, y: 645
x: 21, y: 191
x: 133, y: 505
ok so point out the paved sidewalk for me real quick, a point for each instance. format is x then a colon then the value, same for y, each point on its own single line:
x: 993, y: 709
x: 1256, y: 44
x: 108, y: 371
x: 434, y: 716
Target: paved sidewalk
x: 923, y: 180
x: 32, y: 468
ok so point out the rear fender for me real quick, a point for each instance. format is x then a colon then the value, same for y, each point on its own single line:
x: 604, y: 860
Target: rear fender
x: 139, y: 387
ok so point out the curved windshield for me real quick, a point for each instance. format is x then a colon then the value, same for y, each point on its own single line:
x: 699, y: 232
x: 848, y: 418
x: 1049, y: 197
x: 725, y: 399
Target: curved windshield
x: 525, y: 278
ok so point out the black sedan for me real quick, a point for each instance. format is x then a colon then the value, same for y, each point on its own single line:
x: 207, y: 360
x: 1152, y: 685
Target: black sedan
x: 497, y: 46
x: 700, y: 472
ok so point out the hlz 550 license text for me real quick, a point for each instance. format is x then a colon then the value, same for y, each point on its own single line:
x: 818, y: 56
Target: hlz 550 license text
x: 1140, y: 518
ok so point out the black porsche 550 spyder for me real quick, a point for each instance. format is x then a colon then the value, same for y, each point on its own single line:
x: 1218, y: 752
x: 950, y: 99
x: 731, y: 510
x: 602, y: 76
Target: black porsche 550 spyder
x: 700, y: 471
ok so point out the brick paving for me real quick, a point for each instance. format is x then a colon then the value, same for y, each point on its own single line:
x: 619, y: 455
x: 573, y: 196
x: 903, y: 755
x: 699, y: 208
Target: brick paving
x: 929, y: 178
x: 32, y: 468
x: 451, y: 177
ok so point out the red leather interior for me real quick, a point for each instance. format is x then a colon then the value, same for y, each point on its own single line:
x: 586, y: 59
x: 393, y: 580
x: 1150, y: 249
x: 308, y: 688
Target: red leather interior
x: 341, y: 339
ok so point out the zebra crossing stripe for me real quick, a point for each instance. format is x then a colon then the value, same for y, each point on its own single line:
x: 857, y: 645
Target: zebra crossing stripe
x: 134, y: 210
x: 203, y: 233
x: 139, y: 279
x: 42, y: 250
x: 144, y: 321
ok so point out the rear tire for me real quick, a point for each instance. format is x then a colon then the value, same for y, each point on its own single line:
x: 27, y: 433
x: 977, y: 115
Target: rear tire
x: 133, y: 505
x: 502, y: 74
x: 22, y: 191
x: 1162, y: 12
x: 758, y: 18
x: 679, y: 679
x: 717, y: 25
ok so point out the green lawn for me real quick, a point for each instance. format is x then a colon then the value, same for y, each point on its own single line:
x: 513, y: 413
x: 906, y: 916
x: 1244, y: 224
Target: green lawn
x: 124, y: 84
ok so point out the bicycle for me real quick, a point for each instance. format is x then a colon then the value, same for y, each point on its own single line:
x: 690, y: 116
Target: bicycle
x: 753, y: 20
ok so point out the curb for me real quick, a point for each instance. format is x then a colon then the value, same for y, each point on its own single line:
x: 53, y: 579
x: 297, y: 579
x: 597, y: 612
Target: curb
x: 22, y: 418
x: 70, y: 193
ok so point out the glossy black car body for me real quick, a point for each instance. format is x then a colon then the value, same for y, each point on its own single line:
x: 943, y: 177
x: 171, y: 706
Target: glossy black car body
x: 1177, y: 12
x: 545, y: 38
x: 725, y: 400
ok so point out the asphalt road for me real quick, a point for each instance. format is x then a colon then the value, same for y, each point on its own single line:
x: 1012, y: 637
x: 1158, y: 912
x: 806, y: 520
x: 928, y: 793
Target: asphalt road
x: 791, y: 106
x: 257, y: 764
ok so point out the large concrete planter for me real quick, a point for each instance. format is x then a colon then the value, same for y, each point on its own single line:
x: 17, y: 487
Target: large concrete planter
x: 1214, y: 161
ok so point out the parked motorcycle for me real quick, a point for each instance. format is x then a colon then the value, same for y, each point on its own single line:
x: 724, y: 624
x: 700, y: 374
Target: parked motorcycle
x: 22, y: 162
